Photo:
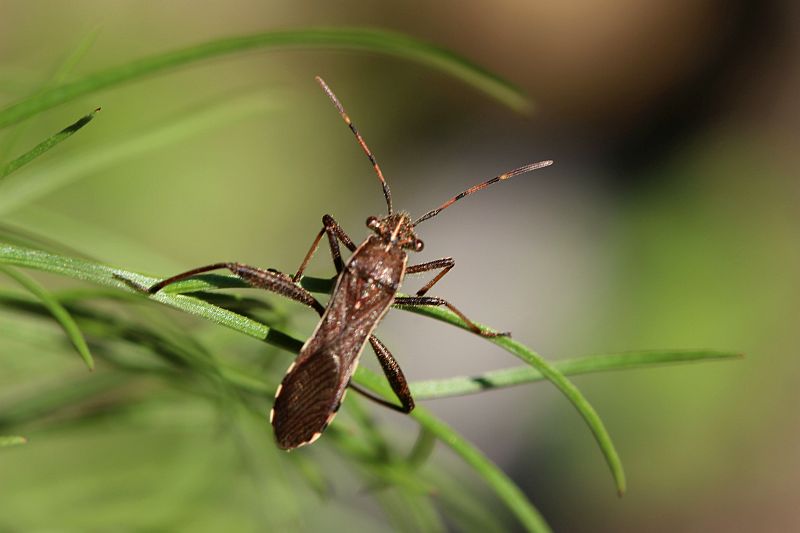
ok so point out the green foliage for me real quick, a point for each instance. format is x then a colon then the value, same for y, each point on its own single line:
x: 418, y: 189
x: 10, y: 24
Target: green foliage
x: 149, y: 363
x: 381, y: 41
x: 176, y: 296
x: 46, y: 145
x: 33, y: 182
x: 56, y: 309
x: 459, y: 386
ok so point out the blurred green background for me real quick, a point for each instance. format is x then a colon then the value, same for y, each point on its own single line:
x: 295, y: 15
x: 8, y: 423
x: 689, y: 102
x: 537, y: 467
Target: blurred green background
x: 669, y: 221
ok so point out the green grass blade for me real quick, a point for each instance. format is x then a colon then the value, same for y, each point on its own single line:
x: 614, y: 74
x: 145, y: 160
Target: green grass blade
x: 422, y: 450
x: 505, y: 488
x: 554, y: 376
x: 74, y: 57
x: 58, y: 76
x: 12, y: 440
x: 363, y: 39
x: 46, y: 145
x: 56, y: 309
x: 461, y: 385
x: 34, y: 182
x: 85, y: 270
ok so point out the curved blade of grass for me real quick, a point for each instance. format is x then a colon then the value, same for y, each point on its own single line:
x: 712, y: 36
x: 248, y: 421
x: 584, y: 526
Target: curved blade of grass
x: 364, y: 39
x: 422, y: 450
x: 462, y: 385
x: 37, y: 181
x: 12, y: 440
x: 554, y: 376
x: 56, y: 309
x: 58, y: 76
x: 86, y: 270
x: 46, y: 145
x: 508, y: 491
x: 504, y: 487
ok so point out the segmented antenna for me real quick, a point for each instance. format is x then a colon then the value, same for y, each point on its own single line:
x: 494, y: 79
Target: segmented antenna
x: 386, y: 192
x: 476, y: 188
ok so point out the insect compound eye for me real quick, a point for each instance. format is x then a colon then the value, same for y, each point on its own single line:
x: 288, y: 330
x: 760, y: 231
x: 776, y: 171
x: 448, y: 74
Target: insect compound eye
x: 372, y: 222
x: 418, y: 245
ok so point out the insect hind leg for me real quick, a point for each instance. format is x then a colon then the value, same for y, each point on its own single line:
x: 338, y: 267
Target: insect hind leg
x: 259, y: 278
x: 394, y: 374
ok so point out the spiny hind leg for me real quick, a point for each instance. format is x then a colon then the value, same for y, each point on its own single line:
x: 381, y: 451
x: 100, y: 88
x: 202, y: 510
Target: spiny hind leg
x: 260, y: 278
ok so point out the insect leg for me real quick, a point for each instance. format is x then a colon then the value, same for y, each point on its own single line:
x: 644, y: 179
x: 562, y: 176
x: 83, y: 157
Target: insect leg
x: 446, y: 264
x: 433, y: 301
x: 259, y: 278
x: 395, y: 376
x: 335, y: 234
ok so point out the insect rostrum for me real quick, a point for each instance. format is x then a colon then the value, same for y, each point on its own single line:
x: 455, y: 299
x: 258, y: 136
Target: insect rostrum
x: 315, y: 384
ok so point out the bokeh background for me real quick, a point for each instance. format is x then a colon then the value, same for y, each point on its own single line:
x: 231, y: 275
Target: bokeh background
x: 669, y: 221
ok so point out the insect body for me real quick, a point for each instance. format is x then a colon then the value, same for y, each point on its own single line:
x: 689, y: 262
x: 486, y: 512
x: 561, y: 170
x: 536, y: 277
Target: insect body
x: 315, y: 384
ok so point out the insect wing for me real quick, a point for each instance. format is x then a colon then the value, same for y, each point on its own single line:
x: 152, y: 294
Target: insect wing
x: 307, y: 399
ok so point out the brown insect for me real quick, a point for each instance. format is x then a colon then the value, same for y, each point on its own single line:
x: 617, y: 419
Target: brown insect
x: 315, y: 384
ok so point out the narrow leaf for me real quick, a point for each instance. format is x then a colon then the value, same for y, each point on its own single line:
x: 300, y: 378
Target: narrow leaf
x: 555, y: 377
x: 363, y: 39
x: 508, y: 491
x: 34, y: 182
x: 86, y: 270
x: 57, y: 310
x: 423, y: 448
x: 58, y: 76
x: 503, y: 486
x: 461, y: 385
x: 46, y: 145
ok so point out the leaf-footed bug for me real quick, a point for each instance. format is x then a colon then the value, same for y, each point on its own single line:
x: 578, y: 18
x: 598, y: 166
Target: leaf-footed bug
x: 366, y: 286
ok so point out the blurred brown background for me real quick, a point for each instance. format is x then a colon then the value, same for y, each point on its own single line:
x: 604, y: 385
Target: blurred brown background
x: 669, y: 220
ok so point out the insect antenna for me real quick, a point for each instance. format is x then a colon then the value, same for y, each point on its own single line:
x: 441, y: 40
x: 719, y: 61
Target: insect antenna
x: 386, y: 192
x: 476, y: 188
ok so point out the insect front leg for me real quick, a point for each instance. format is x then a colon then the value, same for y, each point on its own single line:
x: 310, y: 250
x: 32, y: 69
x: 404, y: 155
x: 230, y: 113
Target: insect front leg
x: 446, y: 264
x: 335, y: 234
x: 395, y: 376
x: 260, y: 278
x: 413, y: 301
